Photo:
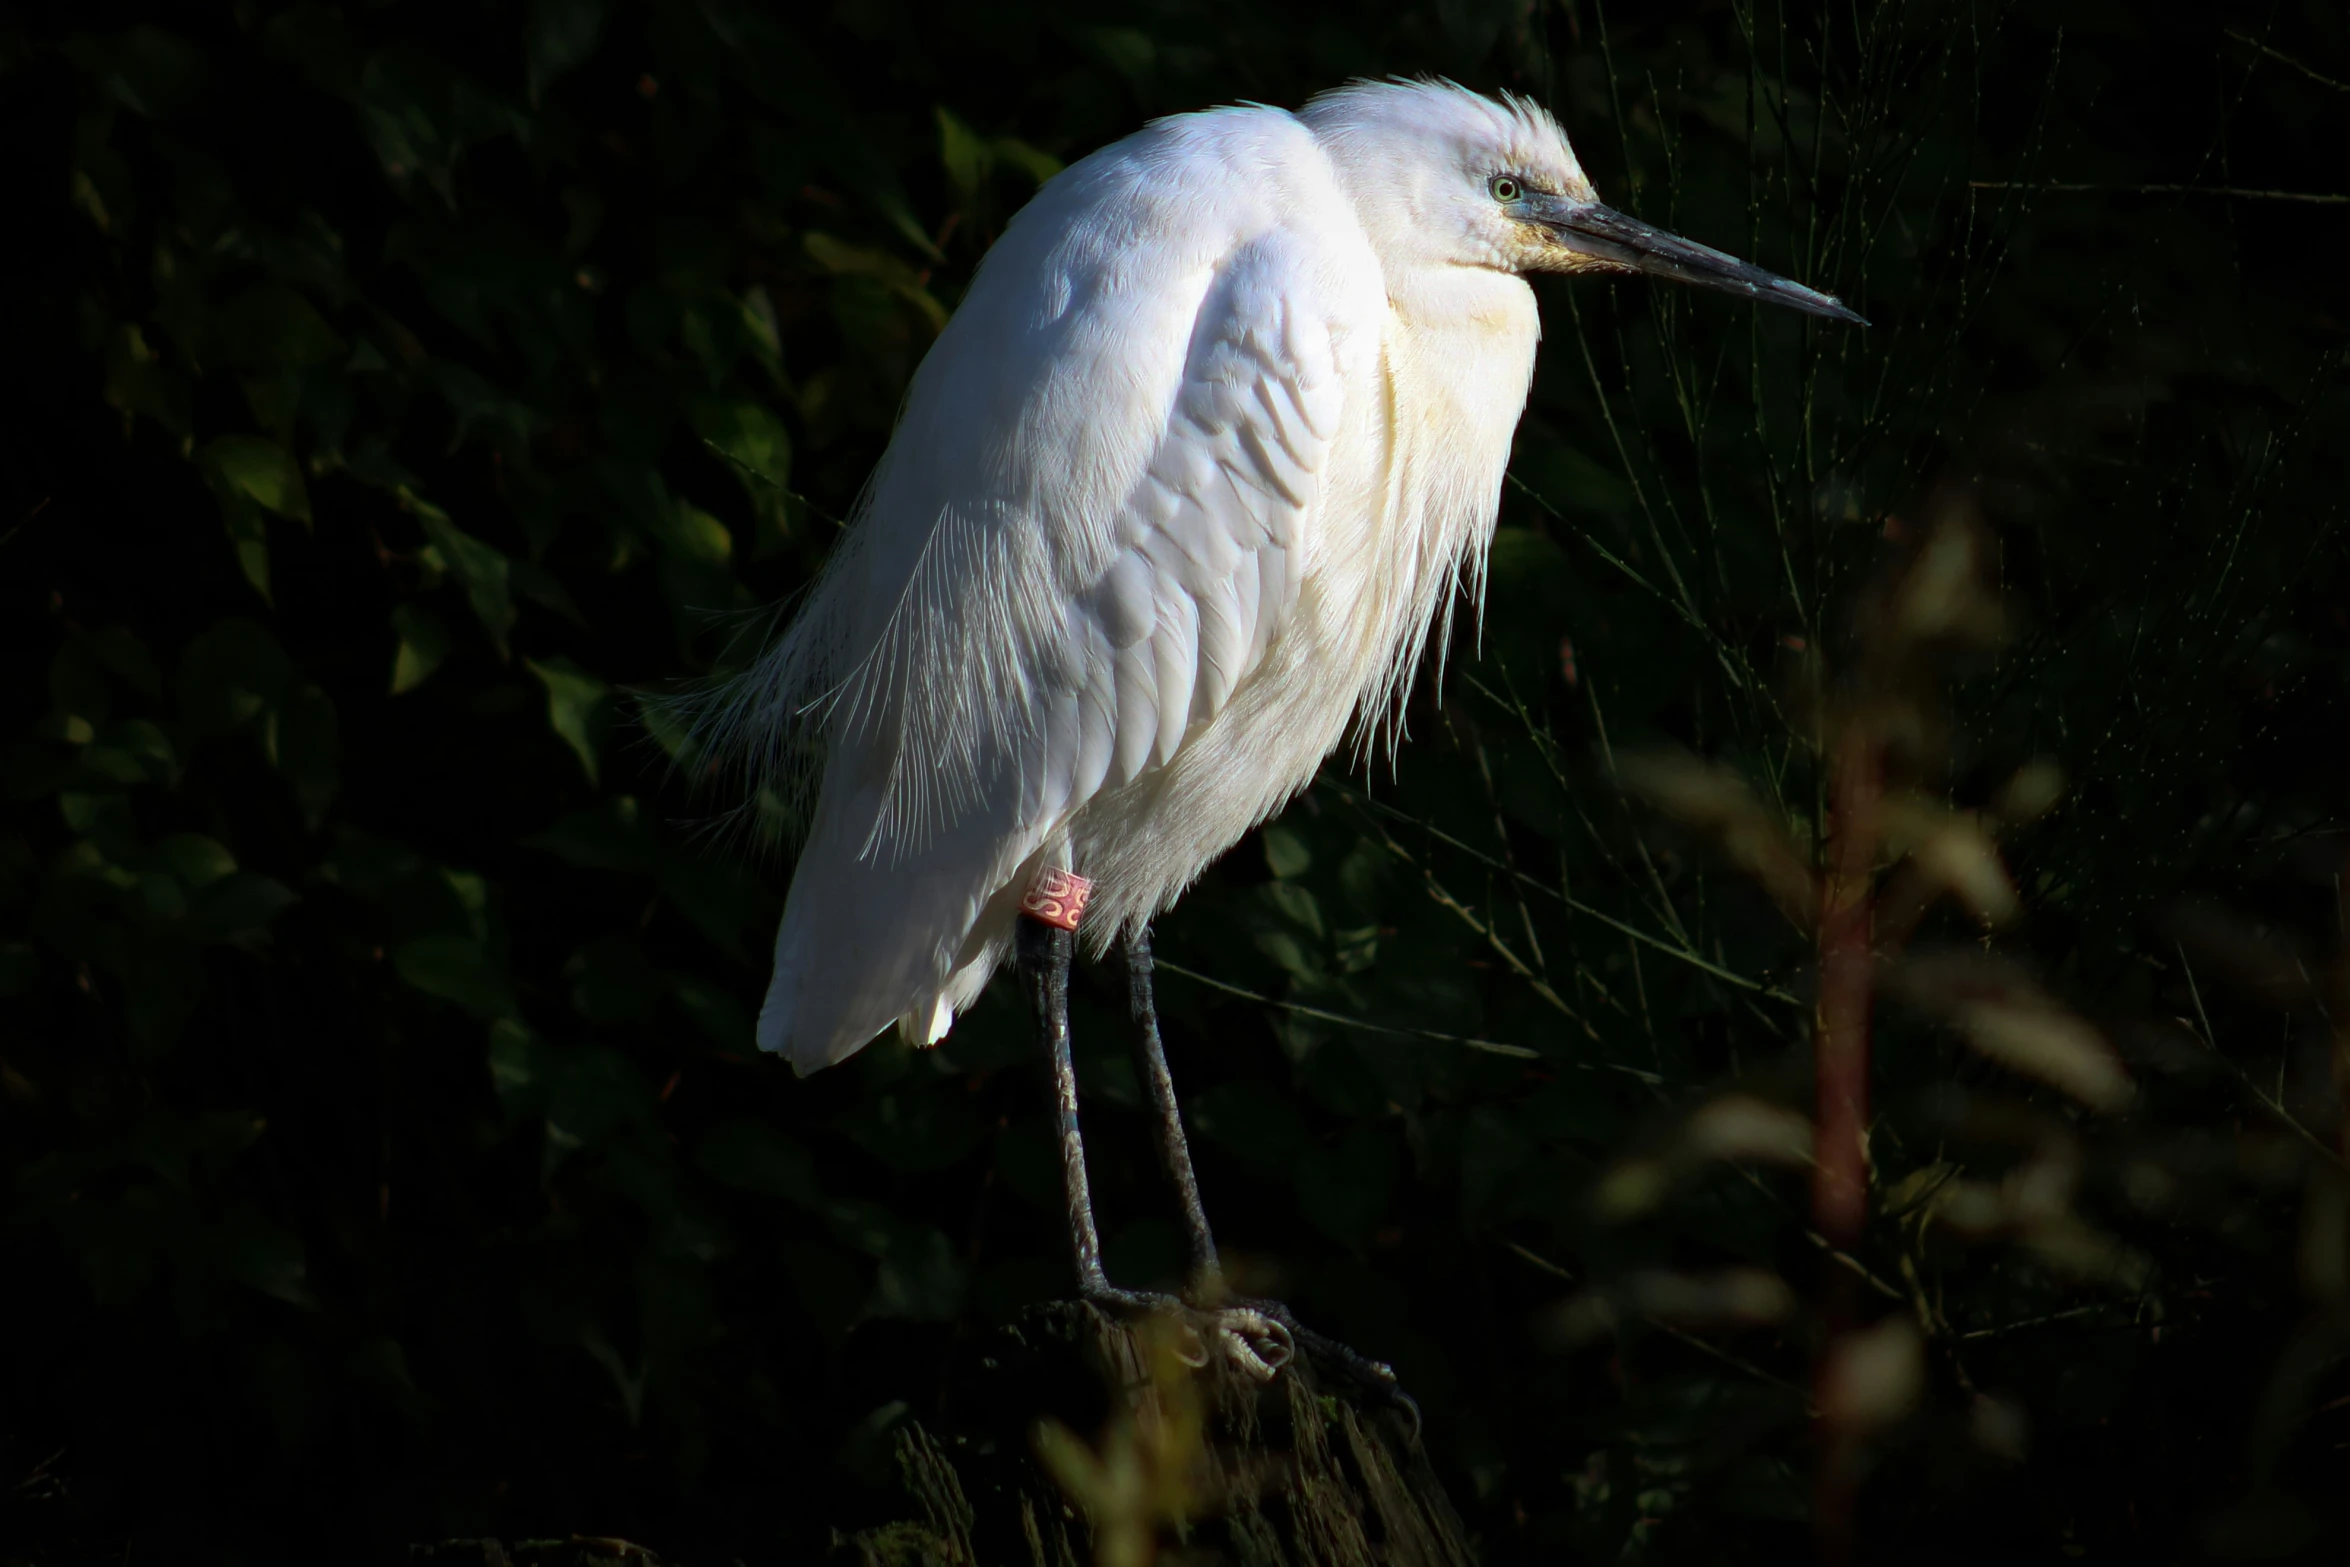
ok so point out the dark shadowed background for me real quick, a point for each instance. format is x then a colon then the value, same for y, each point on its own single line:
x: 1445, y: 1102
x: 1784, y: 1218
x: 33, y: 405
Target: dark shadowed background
x: 392, y: 393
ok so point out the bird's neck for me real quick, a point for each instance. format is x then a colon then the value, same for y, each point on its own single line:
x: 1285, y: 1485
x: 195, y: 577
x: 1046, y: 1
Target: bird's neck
x: 1447, y: 308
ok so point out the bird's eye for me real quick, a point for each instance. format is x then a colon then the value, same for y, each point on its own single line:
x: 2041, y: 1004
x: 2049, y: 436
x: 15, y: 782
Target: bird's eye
x: 1505, y: 189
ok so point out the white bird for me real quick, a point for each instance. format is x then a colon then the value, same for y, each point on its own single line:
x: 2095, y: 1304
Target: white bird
x: 1175, y: 499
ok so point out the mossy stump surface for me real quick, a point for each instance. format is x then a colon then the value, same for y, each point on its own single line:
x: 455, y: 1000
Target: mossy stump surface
x: 1219, y: 1470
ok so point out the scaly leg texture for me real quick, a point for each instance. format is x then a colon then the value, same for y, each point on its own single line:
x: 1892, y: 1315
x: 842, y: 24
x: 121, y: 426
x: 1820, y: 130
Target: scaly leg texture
x: 1205, y: 1287
x: 1259, y: 1343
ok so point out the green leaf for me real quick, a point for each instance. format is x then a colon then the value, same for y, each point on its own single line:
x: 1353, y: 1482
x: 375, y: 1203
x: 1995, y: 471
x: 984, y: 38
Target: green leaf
x: 470, y: 891
x: 755, y: 444
x: 1035, y: 162
x: 303, y: 732
x: 1345, y: 1188
x: 562, y: 35
x: 700, y: 536
x: 111, y: 766
x: 762, y: 332
x: 484, y: 573
x: 963, y: 153
x: 254, y: 478
x: 920, y: 1278
x: 275, y: 327
x: 146, y: 70
x: 541, y: 586
x: 669, y: 721
x: 1286, y: 854
x: 369, y: 866
x: 241, y: 905
x: 78, y: 692
x: 845, y: 260
x: 1129, y: 52
x: 522, y: 1066
x: 263, y: 1254
x: 577, y: 706
x: 1297, y: 905
x: 455, y: 968
x: 103, y: 817
x: 248, y: 539
x: 596, y: 1094
x: 615, y: 983
x: 970, y: 159
x: 138, y: 383
x: 20, y: 969
x: 678, y: 527
x: 123, y: 655
x: 629, y: 1384
x: 196, y: 860
x: 758, y: 1157
x: 229, y: 676
x: 474, y: 403
x: 259, y: 471
x: 726, y: 1021
x: 423, y: 643
x: 606, y: 838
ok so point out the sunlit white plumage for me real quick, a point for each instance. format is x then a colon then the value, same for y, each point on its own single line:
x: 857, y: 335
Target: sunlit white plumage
x: 1176, y: 496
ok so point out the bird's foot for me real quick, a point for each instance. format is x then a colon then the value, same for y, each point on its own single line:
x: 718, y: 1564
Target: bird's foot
x: 1375, y: 1378
x: 1259, y: 1338
x: 1257, y: 1342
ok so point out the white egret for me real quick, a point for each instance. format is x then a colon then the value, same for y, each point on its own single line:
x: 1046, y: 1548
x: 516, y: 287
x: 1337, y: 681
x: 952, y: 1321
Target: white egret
x: 1177, y: 496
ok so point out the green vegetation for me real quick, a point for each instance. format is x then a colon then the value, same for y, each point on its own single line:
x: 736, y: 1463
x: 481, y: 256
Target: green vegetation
x: 394, y: 393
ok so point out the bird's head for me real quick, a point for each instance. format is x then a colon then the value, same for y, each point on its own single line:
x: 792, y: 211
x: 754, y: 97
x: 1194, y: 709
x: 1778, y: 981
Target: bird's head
x: 1451, y: 177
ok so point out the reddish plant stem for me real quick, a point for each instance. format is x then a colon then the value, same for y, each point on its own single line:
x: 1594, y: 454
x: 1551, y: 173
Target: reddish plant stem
x: 2339, y: 1002
x: 1840, y: 1054
x: 2328, y: 1284
x: 1840, y: 1026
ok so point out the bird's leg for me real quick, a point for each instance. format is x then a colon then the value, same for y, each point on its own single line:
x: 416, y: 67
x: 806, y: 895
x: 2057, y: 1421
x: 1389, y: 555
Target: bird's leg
x: 1259, y: 1336
x: 1044, y: 953
x: 1259, y: 1344
x: 1205, y: 1282
x: 1206, y: 1289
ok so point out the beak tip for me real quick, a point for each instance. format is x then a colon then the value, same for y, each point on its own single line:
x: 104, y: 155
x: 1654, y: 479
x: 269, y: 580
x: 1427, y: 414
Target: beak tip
x: 1814, y: 303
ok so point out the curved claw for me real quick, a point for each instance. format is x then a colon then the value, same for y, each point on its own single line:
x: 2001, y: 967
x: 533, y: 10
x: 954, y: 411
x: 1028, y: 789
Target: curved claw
x: 1258, y: 1342
x: 1278, y: 1332
x: 1260, y: 1345
x: 1245, y: 1356
x: 1262, y: 1339
x: 1194, y: 1352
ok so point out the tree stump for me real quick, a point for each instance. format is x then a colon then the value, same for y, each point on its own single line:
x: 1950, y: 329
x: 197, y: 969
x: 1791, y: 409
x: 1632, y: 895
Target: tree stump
x: 1071, y: 1438
x: 579, y: 1550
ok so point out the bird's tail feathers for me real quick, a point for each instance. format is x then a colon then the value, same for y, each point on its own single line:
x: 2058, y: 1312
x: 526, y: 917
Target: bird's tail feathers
x: 864, y: 944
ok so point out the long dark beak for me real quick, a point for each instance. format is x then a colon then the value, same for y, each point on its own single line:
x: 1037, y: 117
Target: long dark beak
x: 1604, y: 234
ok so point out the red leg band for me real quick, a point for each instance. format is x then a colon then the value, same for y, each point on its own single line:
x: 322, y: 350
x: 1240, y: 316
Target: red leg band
x: 1058, y: 898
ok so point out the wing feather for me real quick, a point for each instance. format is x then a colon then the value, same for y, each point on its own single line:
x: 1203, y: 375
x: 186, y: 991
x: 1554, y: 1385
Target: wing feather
x: 1223, y: 643
x: 1136, y: 680
x: 1097, y: 705
x: 1177, y: 648
x: 1218, y: 528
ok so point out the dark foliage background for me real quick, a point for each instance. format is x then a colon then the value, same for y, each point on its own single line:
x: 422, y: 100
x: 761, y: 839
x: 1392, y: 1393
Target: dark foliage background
x: 392, y: 391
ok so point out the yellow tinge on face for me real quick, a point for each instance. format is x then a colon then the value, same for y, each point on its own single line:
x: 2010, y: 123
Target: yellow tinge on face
x: 1548, y: 255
